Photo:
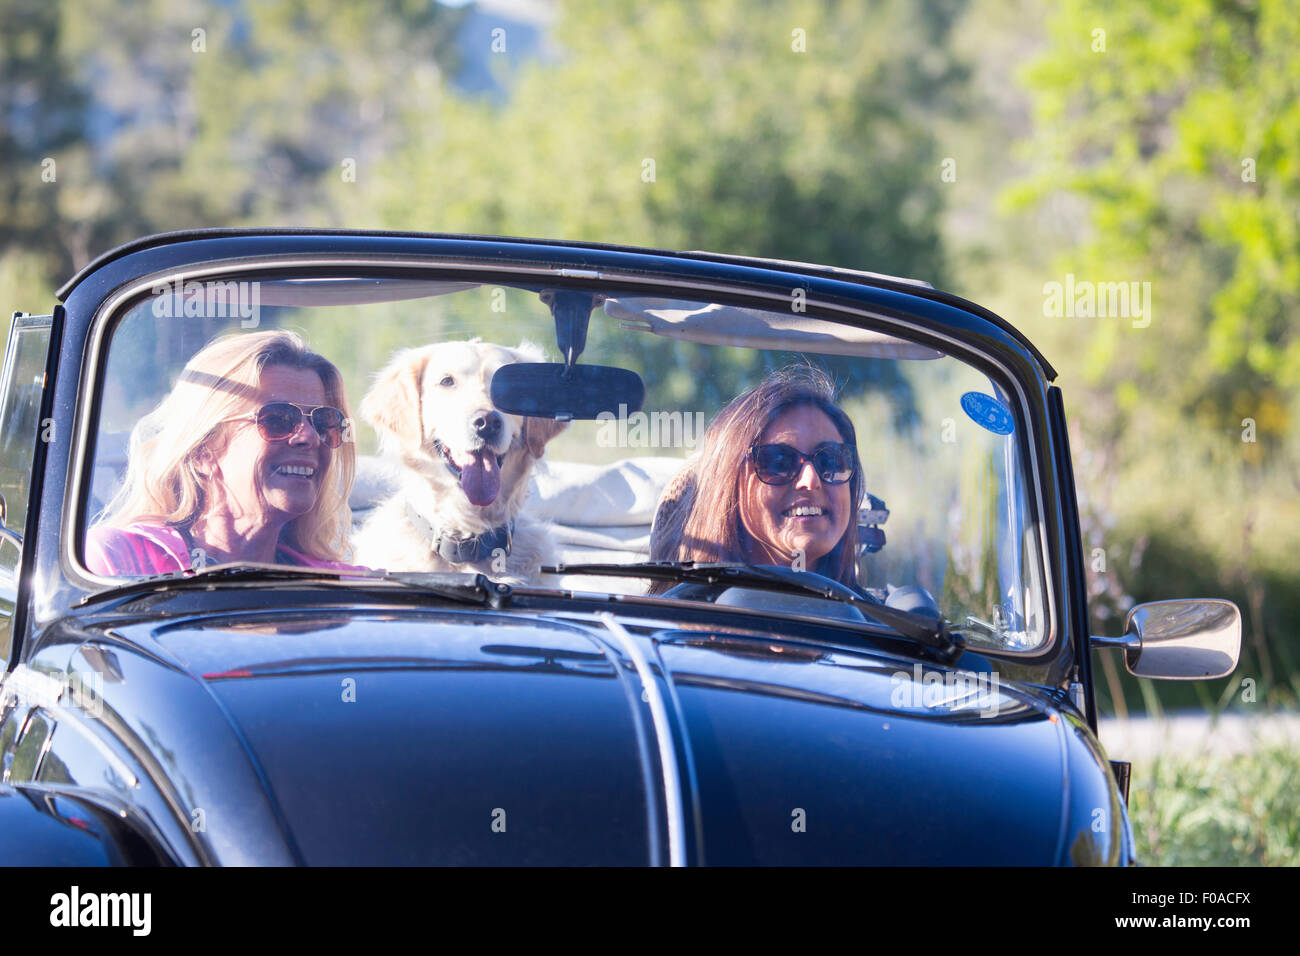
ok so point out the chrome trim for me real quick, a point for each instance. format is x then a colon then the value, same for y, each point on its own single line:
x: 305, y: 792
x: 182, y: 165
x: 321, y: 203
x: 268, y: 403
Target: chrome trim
x: 1063, y: 752
x: 20, y: 322
x: 74, y: 486
x: 1184, y: 639
x: 11, y: 536
x: 28, y: 320
x: 674, y: 811
x: 1129, y: 640
x: 119, y: 766
x: 46, y: 694
x: 47, y: 742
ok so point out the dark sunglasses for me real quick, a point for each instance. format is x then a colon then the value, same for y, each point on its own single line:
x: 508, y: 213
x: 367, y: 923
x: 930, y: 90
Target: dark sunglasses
x: 782, y: 464
x: 277, y: 421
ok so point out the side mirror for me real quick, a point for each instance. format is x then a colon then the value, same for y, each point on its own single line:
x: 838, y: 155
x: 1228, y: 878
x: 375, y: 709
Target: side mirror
x: 1180, y: 640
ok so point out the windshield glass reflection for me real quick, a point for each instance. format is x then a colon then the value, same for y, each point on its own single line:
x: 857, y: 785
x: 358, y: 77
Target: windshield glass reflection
x: 414, y: 425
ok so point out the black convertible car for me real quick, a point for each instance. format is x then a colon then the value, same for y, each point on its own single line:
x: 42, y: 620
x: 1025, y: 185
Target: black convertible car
x: 496, y: 557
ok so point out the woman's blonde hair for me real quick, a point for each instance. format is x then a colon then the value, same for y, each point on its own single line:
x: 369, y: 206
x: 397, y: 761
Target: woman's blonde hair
x: 705, y: 524
x: 163, y: 483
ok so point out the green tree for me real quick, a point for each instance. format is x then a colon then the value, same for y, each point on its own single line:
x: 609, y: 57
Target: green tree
x: 1177, y: 123
x: 793, y: 130
x: 1169, y: 132
x: 42, y: 121
x: 187, y: 114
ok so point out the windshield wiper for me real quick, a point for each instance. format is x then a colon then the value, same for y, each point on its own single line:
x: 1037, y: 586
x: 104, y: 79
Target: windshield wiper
x: 466, y: 588
x: 455, y: 585
x: 206, y: 577
x: 930, y: 632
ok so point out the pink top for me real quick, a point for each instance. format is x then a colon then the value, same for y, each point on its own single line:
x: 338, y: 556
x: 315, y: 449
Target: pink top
x: 146, y: 549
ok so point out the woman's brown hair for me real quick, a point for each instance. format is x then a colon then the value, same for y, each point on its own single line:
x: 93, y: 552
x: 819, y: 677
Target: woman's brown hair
x: 705, y: 525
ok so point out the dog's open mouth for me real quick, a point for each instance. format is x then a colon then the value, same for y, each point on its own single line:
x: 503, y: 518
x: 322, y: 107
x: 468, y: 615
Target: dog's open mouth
x: 478, y: 471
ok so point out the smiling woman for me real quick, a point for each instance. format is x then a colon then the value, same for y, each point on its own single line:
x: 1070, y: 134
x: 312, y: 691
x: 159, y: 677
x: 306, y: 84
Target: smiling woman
x: 784, y: 482
x: 243, y: 461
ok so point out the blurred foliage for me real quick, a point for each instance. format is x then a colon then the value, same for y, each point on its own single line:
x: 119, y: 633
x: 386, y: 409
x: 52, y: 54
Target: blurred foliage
x: 187, y: 114
x: 1181, y: 135
x: 1215, y: 810
x: 770, y: 129
x: 42, y: 115
x: 645, y: 133
x: 1151, y: 143
x: 1168, y: 136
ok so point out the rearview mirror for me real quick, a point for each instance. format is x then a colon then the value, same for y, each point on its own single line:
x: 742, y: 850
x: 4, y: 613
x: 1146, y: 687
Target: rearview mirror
x: 580, y: 392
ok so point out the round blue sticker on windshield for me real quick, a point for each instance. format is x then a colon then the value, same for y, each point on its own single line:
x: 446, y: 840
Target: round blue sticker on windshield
x: 987, y: 412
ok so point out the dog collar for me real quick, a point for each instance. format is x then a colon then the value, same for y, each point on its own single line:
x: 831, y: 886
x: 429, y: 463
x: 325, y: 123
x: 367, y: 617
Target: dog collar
x: 480, y: 547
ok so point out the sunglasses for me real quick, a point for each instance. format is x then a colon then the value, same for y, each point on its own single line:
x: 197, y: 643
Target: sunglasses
x: 277, y: 421
x: 782, y: 464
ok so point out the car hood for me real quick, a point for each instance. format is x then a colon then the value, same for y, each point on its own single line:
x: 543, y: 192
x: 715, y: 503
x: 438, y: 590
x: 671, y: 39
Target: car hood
x: 421, y: 736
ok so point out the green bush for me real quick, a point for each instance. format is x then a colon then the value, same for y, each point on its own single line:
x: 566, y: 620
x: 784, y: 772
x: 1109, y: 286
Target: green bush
x: 1207, y: 810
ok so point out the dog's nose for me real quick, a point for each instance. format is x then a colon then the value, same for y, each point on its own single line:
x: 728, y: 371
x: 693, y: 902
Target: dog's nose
x: 487, y: 424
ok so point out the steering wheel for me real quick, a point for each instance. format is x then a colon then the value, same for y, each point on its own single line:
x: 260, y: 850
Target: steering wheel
x: 699, y: 591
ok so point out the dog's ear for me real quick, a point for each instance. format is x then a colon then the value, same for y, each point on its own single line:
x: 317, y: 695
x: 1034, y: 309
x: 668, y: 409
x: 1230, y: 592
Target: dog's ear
x: 539, y: 431
x: 393, y: 404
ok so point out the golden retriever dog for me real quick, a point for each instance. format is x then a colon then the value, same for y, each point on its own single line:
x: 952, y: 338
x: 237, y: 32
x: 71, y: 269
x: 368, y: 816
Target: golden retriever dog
x: 462, y: 466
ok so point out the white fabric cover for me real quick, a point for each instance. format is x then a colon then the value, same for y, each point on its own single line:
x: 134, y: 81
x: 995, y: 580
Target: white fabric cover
x: 599, y: 513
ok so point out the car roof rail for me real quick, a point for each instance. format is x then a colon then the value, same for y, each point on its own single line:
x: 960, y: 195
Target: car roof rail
x: 810, y: 266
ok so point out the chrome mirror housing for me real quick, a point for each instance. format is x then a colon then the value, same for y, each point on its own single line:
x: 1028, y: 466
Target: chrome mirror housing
x: 1180, y: 640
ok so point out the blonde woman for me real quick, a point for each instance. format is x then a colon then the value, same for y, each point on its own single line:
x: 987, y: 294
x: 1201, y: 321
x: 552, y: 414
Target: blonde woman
x: 244, y: 461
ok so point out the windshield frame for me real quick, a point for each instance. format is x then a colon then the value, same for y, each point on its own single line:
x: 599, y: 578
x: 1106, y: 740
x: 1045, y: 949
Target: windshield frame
x: 909, y: 326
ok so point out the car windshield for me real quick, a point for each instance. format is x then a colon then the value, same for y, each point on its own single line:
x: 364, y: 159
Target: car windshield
x: 412, y: 424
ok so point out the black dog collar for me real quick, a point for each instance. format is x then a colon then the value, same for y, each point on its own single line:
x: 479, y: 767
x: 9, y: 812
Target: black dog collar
x: 464, y: 550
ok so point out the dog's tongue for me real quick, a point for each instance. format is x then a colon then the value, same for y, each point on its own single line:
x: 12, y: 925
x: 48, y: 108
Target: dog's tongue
x: 480, y: 478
